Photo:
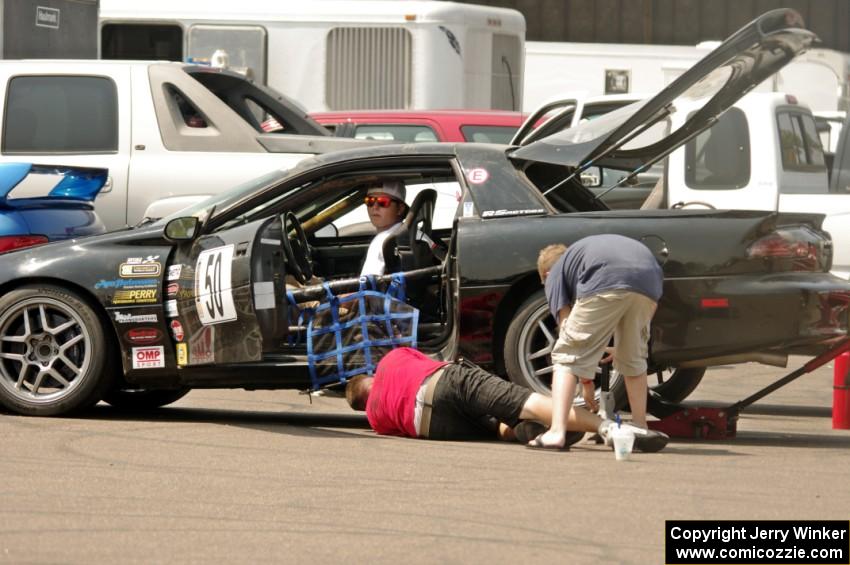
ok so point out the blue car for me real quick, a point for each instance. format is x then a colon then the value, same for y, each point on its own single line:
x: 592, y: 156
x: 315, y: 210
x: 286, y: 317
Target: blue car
x: 42, y: 203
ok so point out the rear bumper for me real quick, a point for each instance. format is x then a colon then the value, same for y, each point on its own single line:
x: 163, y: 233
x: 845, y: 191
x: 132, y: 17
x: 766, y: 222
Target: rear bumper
x: 799, y: 313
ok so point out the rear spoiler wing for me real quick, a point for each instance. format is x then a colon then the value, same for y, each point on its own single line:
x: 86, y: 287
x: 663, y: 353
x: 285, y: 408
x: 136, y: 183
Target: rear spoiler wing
x: 81, y: 184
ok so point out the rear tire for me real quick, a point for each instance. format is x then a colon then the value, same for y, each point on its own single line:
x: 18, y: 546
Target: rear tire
x: 529, y: 340
x: 54, y: 354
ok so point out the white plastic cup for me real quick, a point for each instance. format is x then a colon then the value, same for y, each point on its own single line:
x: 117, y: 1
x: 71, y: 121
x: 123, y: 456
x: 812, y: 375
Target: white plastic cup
x: 624, y: 441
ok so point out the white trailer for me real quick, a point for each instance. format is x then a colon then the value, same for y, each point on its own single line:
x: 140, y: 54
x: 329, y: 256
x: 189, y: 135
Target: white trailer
x: 337, y: 54
x: 820, y: 77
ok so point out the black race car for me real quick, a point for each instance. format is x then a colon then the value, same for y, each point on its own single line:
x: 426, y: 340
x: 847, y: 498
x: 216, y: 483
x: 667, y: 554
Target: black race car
x: 197, y: 300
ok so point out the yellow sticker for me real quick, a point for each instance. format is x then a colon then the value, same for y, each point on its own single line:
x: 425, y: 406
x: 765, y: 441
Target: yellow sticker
x: 182, y: 354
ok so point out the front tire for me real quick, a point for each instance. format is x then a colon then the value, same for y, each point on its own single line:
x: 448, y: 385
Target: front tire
x: 529, y: 340
x: 54, y: 357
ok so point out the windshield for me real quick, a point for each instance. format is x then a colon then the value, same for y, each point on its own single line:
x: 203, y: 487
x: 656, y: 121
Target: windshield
x: 225, y: 199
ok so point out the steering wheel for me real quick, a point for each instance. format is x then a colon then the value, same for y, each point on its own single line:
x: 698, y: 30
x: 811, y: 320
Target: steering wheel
x: 297, y: 250
x: 680, y: 205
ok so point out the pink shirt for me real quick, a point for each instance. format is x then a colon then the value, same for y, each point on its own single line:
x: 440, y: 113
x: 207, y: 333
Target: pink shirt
x: 392, y: 400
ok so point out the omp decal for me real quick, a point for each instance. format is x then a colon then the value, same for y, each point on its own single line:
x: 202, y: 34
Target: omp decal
x: 122, y: 318
x: 136, y: 296
x: 477, y: 175
x: 124, y: 283
x: 174, y: 272
x: 172, y: 289
x: 171, y: 308
x: 148, y: 357
x: 177, y: 330
x: 497, y: 213
x: 263, y: 295
x: 182, y: 354
x: 213, y: 286
x: 143, y: 336
x: 144, y: 270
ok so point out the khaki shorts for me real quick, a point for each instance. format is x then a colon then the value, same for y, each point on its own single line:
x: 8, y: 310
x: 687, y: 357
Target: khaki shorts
x: 593, y: 320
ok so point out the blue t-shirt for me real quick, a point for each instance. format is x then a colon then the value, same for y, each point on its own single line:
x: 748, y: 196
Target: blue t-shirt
x: 602, y: 262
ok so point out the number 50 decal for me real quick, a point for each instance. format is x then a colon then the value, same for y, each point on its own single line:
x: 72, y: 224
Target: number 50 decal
x: 213, y: 292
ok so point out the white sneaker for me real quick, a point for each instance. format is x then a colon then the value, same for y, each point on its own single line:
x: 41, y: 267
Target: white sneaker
x: 647, y: 441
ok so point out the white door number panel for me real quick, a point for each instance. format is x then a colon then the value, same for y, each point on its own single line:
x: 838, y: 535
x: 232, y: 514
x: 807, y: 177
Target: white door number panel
x: 213, y: 287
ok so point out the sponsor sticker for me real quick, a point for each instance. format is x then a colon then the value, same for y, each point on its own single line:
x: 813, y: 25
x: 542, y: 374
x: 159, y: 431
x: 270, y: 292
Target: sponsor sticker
x: 499, y: 213
x: 129, y: 270
x: 174, y: 272
x: 171, y: 308
x: 143, y: 336
x: 135, y: 296
x: 201, y: 346
x: 47, y: 17
x: 477, y: 175
x: 148, y: 357
x: 213, y: 286
x: 468, y: 209
x: 182, y: 354
x: 177, y: 330
x: 172, y: 289
x: 123, y: 318
x: 125, y: 283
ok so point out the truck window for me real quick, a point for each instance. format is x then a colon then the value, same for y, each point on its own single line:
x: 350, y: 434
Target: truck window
x: 488, y: 134
x: 799, y: 143
x: 391, y: 132
x: 719, y: 157
x: 60, y: 114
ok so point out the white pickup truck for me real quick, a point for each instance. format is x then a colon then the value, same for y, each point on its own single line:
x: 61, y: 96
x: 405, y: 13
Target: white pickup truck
x: 169, y: 133
x: 764, y: 153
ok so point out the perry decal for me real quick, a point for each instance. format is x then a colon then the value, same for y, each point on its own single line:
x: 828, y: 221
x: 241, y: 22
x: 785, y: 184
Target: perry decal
x: 135, y: 296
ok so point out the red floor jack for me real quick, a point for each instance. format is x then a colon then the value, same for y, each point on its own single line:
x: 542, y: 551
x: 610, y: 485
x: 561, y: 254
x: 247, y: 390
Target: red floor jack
x: 677, y: 420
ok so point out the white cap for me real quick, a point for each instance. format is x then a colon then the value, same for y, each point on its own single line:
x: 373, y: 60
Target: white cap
x: 392, y: 188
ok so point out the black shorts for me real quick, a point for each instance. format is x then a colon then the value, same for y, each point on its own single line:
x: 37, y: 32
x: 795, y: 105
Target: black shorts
x: 469, y: 402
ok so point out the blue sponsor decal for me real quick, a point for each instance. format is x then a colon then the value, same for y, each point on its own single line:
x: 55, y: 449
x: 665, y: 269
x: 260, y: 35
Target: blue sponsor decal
x: 125, y: 283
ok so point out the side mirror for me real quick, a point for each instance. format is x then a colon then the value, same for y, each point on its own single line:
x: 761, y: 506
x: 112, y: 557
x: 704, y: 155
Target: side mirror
x: 592, y: 177
x: 182, y: 229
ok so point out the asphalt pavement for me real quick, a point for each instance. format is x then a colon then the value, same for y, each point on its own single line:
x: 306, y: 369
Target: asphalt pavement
x: 239, y: 477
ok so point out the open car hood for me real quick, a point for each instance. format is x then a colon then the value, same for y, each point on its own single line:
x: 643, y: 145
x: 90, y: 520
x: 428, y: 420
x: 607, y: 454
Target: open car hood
x: 625, y: 138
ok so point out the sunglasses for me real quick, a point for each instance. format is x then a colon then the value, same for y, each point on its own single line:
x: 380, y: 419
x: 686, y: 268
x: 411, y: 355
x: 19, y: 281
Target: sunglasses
x: 382, y: 201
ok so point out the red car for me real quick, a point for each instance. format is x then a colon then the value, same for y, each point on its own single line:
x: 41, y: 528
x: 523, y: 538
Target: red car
x: 482, y: 126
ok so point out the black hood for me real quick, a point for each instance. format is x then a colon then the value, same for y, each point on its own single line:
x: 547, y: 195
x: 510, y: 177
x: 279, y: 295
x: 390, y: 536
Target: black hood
x: 624, y: 139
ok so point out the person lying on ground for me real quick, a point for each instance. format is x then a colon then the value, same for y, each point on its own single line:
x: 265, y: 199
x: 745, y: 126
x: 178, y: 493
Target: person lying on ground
x: 412, y: 395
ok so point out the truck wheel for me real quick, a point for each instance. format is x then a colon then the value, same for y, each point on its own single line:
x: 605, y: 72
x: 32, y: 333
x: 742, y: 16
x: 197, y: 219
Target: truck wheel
x: 530, y: 338
x: 53, y: 352
x: 142, y: 399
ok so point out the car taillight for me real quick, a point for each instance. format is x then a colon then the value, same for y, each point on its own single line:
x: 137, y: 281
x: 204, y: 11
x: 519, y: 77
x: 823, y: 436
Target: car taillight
x: 12, y: 242
x: 794, y: 249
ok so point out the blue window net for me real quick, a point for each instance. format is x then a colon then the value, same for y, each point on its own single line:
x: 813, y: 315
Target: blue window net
x: 348, y: 334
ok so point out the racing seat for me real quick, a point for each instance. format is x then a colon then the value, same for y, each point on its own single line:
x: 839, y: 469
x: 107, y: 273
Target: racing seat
x: 414, y: 248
